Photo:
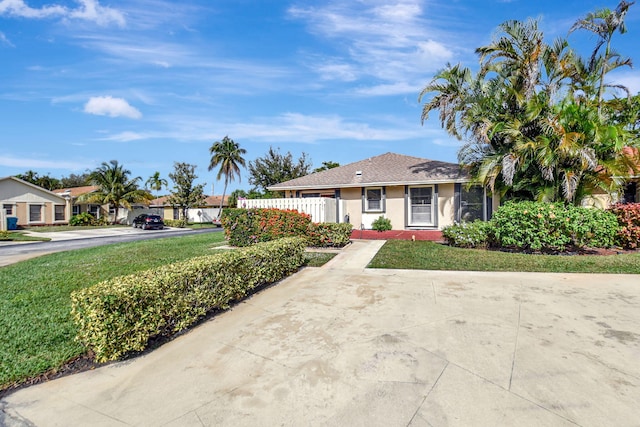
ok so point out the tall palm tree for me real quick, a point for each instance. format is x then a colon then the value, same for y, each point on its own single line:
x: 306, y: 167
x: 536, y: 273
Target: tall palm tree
x: 156, y: 183
x: 604, y: 23
x: 228, y: 155
x: 521, y: 140
x: 115, y: 188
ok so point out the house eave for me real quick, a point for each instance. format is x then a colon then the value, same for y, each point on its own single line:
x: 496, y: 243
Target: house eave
x: 368, y: 184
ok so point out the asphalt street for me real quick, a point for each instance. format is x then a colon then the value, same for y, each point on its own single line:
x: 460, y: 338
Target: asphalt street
x: 11, y: 252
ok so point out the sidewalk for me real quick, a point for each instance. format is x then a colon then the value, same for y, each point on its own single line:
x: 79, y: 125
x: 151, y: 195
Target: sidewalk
x: 345, y: 345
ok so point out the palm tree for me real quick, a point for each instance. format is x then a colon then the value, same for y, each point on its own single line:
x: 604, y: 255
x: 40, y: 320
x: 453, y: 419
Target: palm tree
x: 115, y: 188
x: 520, y: 139
x: 228, y: 155
x: 156, y: 183
x: 604, y: 23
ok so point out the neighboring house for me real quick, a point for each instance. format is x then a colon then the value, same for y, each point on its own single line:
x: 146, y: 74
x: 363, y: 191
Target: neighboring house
x: 77, y: 207
x: 413, y: 193
x: 32, y: 205
x: 125, y: 216
x: 206, y: 212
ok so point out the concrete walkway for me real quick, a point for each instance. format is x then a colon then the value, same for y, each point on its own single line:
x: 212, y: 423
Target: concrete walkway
x: 343, y: 345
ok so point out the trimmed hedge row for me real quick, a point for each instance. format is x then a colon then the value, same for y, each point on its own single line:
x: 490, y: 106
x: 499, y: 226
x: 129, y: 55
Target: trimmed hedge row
x: 549, y: 226
x: 538, y: 226
x: 244, y: 227
x: 120, y: 315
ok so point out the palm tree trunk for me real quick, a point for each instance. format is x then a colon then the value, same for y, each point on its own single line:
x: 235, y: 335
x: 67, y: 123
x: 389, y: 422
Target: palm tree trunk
x: 224, y: 191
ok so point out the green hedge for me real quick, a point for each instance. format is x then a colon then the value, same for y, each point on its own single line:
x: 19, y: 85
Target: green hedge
x: 552, y: 227
x: 178, y: 223
x: 244, y: 227
x: 326, y: 234
x: 120, y: 315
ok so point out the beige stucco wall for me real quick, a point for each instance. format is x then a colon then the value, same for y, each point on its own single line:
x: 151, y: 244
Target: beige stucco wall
x: 21, y: 196
x: 446, y: 201
x: 395, y: 206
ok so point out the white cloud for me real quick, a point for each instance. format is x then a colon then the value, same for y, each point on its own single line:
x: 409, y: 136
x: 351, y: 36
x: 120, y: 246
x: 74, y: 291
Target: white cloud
x: 112, y: 107
x: 4, y: 40
x: 391, y: 45
x: 90, y: 10
x: 87, y: 10
x: 23, y: 162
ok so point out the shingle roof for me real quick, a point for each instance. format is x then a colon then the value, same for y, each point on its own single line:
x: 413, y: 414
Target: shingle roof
x: 386, y: 169
x: 76, y: 191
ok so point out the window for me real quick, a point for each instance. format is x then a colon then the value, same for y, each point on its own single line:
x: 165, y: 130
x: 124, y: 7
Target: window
x: 373, y: 200
x: 75, y: 210
x: 59, y: 212
x: 420, y: 205
x: 8, y: 209
x: 471, y: 203
x: 94, y: 210
x: 35, y: 213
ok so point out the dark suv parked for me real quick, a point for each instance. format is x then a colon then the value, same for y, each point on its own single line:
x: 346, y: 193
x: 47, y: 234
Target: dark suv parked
x: 147, y: 221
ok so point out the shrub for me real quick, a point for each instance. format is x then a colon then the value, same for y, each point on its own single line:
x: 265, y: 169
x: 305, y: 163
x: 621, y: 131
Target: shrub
x: 244, y: 227
x: 5, y: 235
x: 381, y: 224
x: 468, y: 234
x: 552, y: 227
x: 120, y: 315
x: 628, y: 217
x: 179, y: 223
x: 328, y: 234
x: 84, y: 218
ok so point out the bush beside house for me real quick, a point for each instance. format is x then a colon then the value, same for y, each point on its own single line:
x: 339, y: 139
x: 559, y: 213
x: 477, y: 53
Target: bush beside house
x: 244, y: 227
x: 537, y: 226
x: 120, y: 315
x: 628, y: 216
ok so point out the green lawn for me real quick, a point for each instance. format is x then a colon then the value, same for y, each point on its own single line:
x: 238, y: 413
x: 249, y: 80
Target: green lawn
x: 19, y: 236
x: 53, y: 228
x: 318, y: 259
x: 37, y: 330
x: 422, y: 255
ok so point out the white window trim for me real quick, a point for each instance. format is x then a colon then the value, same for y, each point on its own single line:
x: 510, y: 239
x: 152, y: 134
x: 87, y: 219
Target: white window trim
x: 64, y: 213
x: 433, y: 213
x: 42, y: 212
x: 14, y: 209
x: 366, y: 200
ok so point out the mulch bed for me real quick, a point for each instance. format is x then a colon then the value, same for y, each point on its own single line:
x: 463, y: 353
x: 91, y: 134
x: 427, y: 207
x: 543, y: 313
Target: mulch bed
x: 431, y: 235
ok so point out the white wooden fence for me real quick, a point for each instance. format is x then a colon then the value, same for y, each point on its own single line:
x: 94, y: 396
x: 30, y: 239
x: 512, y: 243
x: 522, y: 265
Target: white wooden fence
x: 321, y: 209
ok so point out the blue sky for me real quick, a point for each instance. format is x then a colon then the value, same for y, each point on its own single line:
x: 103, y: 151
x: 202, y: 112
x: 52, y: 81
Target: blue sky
x: 152, y: 82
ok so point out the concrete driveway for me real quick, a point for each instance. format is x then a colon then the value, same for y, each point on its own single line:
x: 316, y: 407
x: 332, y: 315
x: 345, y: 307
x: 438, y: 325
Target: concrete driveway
x: 343, y: 345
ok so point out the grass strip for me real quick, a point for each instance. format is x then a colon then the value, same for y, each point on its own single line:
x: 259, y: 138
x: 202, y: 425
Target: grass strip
x: 318, y: 259
x: 38, y: 333
x: 423, y: 255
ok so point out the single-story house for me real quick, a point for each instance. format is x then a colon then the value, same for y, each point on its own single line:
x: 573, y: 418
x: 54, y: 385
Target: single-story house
x: 413, y: 193
x: 72, y: 195
x: 32, y: 205
x: 125, y: 216
x: 206, y: 212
